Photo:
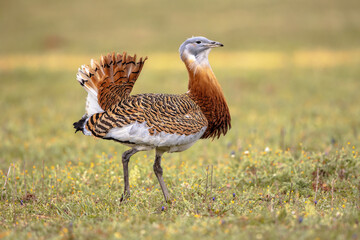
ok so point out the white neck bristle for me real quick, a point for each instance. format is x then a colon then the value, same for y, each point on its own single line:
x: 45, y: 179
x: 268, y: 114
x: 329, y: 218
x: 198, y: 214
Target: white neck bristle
x: 200, y: 59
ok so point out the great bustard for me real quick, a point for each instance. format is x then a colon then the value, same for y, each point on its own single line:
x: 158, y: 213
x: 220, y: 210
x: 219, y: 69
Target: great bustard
x: 164, y: 122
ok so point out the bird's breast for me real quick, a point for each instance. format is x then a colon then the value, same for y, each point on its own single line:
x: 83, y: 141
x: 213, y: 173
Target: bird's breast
x: 138, y: 134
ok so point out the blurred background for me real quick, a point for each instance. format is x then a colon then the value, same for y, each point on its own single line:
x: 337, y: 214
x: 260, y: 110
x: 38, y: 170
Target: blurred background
x: 289, y: 69
x: 95, y: 27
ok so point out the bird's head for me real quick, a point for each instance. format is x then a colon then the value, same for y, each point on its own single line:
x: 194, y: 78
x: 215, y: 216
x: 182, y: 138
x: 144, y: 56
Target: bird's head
x: 197, y: 49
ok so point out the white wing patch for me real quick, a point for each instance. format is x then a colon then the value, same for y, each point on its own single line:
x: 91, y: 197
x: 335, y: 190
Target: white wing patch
x: 138, y: 133
x: 92, y: 105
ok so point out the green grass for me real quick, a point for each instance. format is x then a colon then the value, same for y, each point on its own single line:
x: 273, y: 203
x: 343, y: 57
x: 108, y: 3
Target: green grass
x: 274, y: 192
x: 295, y: 122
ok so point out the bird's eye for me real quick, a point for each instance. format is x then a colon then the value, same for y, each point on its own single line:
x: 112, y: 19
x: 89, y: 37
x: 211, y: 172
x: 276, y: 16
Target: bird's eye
x: 198, y: 42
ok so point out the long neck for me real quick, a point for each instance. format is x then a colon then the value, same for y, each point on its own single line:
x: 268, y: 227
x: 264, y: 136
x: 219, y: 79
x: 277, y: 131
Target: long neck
x: 206, y: 91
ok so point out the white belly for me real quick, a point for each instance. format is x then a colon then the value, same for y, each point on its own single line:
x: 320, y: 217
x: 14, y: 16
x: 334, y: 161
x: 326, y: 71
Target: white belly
x: 138, y: 135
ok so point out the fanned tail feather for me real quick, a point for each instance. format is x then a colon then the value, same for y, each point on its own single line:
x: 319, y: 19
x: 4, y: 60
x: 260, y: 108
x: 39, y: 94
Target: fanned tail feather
x: 109, y: 81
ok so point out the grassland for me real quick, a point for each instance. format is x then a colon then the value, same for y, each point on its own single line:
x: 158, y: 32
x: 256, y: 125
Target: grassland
x: 288, y: 169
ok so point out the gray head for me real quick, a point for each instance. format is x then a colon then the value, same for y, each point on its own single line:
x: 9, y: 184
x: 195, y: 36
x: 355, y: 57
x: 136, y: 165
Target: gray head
x: 198, y: 47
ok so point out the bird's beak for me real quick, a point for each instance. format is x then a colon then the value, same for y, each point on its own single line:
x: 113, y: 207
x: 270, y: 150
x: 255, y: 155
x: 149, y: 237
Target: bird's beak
x: 215, y: 44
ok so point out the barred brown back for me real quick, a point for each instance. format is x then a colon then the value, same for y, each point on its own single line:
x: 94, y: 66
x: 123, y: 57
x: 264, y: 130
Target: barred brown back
x: 174, y: 114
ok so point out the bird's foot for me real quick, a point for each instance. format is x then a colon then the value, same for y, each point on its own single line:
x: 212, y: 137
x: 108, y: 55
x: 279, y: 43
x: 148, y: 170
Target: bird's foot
x: 124, y: 197
x: 168, y: 201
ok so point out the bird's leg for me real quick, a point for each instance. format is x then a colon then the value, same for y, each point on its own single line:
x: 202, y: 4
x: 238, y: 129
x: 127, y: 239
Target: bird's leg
x: 125, y: 161
x: 158, y: 172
